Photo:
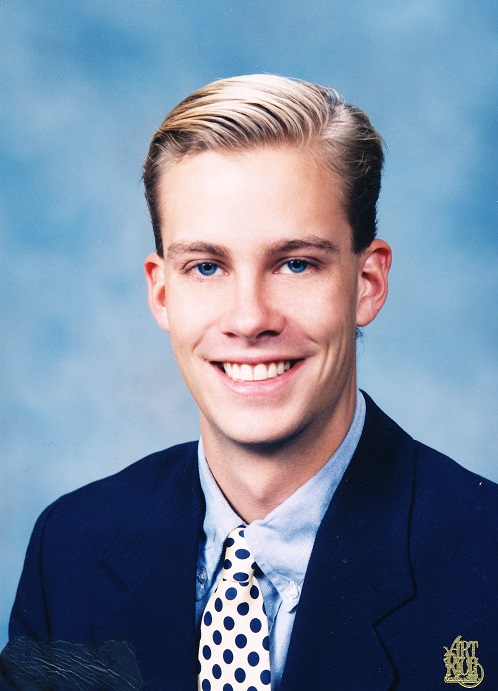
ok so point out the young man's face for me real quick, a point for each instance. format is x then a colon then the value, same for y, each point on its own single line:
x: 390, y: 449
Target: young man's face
x: 261, y: 292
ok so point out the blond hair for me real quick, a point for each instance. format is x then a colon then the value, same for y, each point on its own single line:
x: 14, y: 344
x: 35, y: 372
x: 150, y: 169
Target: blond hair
x: 246, y: 112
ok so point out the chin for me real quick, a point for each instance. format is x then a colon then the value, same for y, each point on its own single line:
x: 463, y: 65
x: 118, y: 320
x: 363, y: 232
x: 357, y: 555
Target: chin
x: 256, y: 437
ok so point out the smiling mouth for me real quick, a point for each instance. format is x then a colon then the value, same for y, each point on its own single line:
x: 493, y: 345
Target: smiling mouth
x: 258, y: 372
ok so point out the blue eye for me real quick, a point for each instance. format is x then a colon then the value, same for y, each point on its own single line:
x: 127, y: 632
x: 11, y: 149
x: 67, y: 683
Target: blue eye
x: 207, y: 268
x: 297, y: 266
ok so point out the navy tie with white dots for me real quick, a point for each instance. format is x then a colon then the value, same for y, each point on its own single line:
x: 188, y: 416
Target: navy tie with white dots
x: 234, y: 646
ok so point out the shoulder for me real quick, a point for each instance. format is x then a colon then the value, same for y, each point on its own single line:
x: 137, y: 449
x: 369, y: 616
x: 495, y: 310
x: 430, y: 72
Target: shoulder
x: 454, y: 509
x: 433, y: 470
x: 107, y: 532
x: 443, y: 492
x: 130, y: 496
x: 439, y: 476
x: 454, y: 512
x: 147, y: 476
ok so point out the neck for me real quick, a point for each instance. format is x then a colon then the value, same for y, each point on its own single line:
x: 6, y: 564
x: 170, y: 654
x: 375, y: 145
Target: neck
x: 255, y: 479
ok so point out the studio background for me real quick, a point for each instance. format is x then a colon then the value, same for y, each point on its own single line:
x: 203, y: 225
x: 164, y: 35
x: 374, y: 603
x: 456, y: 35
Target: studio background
x: 88, y: 381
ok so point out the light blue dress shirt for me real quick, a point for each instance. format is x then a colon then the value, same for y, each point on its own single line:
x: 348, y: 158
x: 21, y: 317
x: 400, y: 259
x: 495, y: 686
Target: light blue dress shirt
x: 280, y: 544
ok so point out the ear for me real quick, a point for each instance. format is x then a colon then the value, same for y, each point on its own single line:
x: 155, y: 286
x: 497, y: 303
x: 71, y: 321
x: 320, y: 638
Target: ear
x: 374, y: 265
x: 154, y: 273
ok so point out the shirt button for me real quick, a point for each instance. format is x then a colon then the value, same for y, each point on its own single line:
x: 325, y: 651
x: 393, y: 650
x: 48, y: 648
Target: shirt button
x: 292, y: 591
x: 202, y: 575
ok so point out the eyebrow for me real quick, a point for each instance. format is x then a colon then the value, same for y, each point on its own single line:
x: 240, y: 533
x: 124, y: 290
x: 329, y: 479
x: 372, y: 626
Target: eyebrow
x: 309, y: 242
x: 176, y: 249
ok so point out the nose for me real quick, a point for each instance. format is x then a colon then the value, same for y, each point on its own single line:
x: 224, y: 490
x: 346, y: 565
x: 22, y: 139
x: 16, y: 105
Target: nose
x: 251, y: 310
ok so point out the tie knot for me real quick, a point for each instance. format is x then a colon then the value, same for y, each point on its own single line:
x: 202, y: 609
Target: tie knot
x: 238, y: 564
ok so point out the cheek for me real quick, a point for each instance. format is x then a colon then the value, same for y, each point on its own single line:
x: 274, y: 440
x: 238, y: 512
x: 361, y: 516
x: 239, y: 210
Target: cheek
x: 187, y: 312
x: 327, y: 313
x: 190, y: 300
x: 191, y: 330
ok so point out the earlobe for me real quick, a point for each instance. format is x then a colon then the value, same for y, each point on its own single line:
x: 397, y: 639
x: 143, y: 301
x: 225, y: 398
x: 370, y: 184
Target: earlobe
x: 154, y: 273
x: 373, y: 283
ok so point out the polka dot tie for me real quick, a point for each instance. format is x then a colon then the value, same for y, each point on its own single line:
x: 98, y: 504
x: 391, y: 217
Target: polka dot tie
x: 234, y: 647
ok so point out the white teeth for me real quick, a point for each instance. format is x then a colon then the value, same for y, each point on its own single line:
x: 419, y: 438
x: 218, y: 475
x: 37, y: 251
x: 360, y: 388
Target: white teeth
x: 246, y: 373
x: 259, y: 372
x: 272, y: 370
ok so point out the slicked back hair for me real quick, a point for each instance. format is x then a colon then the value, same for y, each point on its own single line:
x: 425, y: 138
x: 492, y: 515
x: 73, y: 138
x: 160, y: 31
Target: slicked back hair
x: 243, y: 113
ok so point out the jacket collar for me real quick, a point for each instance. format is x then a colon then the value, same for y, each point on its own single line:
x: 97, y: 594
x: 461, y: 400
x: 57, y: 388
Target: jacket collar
x: 359, y: 571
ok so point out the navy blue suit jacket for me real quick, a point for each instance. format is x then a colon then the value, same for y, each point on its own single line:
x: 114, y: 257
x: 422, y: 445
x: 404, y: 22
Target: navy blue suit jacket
x: 404, y: 562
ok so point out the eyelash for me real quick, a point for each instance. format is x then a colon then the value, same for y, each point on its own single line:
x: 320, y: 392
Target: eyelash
x: 307, y: 264
x: 304, y: 262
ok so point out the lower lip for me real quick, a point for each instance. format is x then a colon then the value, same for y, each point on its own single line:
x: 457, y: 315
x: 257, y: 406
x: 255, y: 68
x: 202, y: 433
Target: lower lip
x: 263, y: 387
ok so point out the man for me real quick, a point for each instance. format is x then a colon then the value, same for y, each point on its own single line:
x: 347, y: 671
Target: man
x: 307, y: 542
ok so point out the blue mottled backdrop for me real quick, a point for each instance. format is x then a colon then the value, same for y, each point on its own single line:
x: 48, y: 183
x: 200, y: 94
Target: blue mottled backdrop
x: 88, y: 382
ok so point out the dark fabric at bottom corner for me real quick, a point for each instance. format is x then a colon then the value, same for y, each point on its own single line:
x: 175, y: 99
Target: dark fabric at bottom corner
x: 27, y: 665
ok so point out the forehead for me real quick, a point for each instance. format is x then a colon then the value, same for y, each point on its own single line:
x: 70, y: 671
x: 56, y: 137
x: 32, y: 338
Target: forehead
x: 258, y: 194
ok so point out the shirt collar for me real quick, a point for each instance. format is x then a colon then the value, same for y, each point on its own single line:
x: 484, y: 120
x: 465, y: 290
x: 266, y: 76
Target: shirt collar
x: 219, y: 521
x: 281, y: 543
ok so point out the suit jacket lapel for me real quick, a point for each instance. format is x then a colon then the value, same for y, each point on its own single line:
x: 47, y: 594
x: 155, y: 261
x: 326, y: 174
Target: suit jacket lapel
x: 359, y: 571
x: 153, y: 563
